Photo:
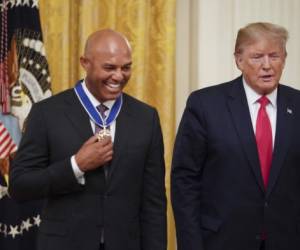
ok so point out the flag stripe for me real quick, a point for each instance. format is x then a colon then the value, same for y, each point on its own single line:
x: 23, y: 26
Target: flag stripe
x: 5, y: 140
x: 5, y: 151
x: 7, y: 145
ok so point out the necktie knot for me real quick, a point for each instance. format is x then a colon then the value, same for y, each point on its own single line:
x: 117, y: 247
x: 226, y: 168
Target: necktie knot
x: 264, y: 101
x: 102, y: 109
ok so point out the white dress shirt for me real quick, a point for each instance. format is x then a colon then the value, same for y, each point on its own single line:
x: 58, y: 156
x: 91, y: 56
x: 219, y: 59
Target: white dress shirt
x: 78, y: 173
x: 254, y: 105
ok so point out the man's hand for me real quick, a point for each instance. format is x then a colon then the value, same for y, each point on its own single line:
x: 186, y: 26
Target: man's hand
x: 94, y: 153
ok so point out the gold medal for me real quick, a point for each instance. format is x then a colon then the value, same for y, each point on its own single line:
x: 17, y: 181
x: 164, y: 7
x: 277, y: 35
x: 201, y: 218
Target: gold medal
x: 103, y: 133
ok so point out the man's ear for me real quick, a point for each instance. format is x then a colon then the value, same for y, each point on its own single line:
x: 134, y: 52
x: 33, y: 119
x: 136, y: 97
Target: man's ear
x: 84, y: 62
x: 238, y: 60
x: 284, y: 60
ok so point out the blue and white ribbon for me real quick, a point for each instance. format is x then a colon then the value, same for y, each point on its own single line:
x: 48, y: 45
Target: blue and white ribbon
x: 93, y: 113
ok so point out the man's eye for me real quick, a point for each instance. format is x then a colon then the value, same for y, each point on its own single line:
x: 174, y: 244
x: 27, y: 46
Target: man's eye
x: 256, y: 56
x: 126, y: 68
x: 275, y: 56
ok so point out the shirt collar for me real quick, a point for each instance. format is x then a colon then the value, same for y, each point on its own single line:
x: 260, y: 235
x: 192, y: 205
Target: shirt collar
x: 93, y: 100
x: 252, y: 96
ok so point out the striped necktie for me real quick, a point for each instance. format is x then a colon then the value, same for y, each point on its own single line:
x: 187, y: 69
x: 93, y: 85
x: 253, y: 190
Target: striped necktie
x: 102, y: 109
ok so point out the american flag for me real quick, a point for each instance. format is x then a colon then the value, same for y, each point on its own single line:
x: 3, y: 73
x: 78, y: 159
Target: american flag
x: 7, y: 145
x: 23, y: 59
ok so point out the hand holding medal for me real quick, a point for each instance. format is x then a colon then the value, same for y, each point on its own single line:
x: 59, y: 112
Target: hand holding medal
x: 94, y: 153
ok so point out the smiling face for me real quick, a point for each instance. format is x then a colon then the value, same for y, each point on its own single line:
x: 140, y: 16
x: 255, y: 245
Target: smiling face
x: 107, y: 62
x: 261, y: 63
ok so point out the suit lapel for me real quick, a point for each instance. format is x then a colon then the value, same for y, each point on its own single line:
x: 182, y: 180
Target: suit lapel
x: 238, y: 106
x: 122, y: 135
x: 78, y: 116
x: 282, y: 137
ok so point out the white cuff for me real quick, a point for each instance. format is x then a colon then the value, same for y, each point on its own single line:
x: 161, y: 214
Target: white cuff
x: 77, y: 172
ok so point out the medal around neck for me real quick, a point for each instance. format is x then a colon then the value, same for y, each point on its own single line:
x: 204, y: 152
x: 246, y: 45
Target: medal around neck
x: 95, y: 115
x: 103, y: 133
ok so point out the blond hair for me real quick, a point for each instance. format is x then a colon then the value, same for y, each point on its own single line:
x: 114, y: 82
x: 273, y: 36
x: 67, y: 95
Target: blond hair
x: 255, y: 31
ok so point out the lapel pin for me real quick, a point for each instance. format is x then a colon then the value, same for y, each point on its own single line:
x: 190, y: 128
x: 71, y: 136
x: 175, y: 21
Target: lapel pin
x: 289, y: 111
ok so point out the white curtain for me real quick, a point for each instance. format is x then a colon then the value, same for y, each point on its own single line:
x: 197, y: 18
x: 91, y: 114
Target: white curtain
x: 206, y: 32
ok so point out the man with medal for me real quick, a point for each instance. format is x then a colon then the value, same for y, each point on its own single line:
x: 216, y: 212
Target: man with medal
x: 95, y: 154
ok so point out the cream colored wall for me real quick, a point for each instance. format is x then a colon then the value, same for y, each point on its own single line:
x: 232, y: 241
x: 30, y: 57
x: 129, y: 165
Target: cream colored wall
x: 186, y: 45
x: 206, y: 31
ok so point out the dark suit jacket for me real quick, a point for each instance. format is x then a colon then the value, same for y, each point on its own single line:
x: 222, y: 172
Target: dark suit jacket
x: 218, y: 195
x: 130, y: 204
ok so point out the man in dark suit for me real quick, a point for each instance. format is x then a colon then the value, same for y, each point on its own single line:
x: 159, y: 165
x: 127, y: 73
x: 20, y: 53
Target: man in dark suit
x: 103, y: 191
x: 236, y: 165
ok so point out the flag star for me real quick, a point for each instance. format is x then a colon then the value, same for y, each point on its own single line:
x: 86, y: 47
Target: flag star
x: 35, y: 4
x: 37, y: 220
x: 13, y: 231
x: 26, y: 2
x: 19, y: 2
x: 12, y: 3
x: 26, y: 224
x: 3, y: 6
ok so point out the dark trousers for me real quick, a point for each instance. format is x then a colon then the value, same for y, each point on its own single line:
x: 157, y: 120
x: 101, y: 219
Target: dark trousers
x: 262, y: 245
x: 102, y: 246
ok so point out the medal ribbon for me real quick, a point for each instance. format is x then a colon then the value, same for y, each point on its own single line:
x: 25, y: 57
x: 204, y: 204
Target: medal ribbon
x: 93, y: 112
